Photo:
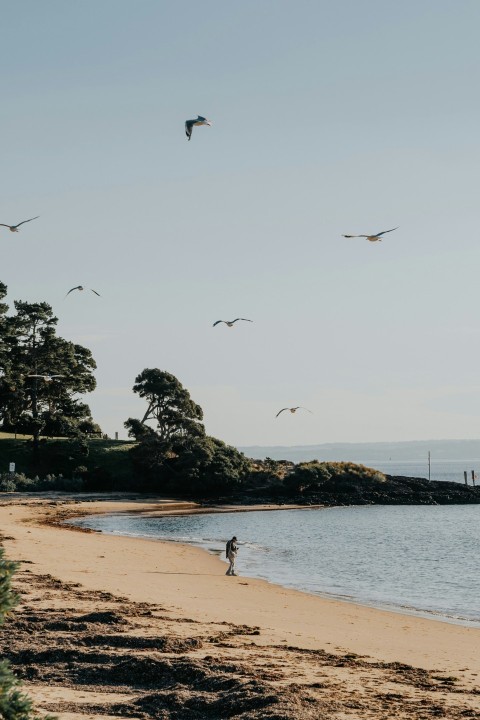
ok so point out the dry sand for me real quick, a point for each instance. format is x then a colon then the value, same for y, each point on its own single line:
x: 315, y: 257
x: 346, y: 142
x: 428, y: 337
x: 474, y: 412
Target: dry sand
x: 111, y: 626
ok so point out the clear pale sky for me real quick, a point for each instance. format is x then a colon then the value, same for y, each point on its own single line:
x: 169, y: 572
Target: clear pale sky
x: 352, y: 116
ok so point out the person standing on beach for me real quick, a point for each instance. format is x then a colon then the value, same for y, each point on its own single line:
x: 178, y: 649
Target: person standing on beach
x: 231, y: 553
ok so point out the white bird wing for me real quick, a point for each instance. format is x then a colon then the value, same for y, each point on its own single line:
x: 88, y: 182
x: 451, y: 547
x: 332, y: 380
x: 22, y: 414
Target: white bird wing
x: 280, y: 411
x: 3, y: 225
x: 349, y: 236
x: 218, y: 321
x: 96, y: 293
x: 300, y: 407
x: 237, y: 319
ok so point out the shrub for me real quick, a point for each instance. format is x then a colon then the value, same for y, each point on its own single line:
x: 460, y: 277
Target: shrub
x: 332, y: 477
x: 7, y: 484
x: 14, y: 705
x: 18, y: 482
x: 11, y: 482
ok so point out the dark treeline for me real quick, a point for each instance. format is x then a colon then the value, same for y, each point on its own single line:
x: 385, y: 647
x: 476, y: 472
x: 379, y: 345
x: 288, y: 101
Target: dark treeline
x: 42, y: 375
x: 173, y: 451
x: 42, y: 380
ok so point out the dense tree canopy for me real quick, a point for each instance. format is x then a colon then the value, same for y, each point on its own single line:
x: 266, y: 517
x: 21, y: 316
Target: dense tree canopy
x: 176, y: 454
x: 29, y: 346
x: 169, y: 406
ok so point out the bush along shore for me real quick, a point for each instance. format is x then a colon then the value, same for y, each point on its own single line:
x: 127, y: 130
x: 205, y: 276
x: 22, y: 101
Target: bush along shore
x: 170, y: 453
x: 349, y: 484
x: 263, y: 481
x: 394, y: 491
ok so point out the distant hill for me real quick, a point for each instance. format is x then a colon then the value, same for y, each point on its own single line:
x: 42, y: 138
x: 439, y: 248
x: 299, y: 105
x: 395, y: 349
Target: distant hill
x: 369, y: 452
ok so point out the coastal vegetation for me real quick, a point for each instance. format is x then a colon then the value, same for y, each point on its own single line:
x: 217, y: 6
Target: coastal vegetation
x: 42, y: 375
x: 176, y: 455
x: 69, y: 464
x: 206, y: 469
x: 14, y: 704
x: 55, y: 444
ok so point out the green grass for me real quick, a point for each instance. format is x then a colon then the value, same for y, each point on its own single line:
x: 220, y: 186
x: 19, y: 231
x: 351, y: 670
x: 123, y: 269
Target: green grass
x: 56, y: 456
x: 11, y: 436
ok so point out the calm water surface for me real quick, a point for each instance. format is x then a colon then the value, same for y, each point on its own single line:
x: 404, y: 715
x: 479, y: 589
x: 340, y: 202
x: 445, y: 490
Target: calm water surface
x: 414, y: 558
x: 451, y: 470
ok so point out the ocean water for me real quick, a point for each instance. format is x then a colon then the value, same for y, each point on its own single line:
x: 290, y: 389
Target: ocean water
x: 452, y: 470
x: 420, y: 559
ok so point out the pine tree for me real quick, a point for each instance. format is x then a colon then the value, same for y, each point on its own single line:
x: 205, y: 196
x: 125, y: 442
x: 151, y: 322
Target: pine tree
x: 176, y: 454
x: 41, y: 375
x: 14, y: 705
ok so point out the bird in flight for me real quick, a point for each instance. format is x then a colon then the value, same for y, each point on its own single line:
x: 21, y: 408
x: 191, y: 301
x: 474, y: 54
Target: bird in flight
x: 47, y: 378
x: 190, y: 123
x: 293, y: 410
x: 14, y: 228
x: 230, y: 323
x: 374, y: 237
x: 80, y: 287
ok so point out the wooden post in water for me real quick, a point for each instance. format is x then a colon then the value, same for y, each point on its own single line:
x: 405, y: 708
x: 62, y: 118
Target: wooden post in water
x: 473, y: 478
x: 429, y: 465
x: 465, y: 476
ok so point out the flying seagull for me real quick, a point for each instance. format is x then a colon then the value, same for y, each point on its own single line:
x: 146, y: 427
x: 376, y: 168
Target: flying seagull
x: 80, y: 287
x: 190, y: 123
x: 293, y: 410
x: 230, y: 323
x: 47, y: 378
x: 372, y: 238
x: 14, y: 228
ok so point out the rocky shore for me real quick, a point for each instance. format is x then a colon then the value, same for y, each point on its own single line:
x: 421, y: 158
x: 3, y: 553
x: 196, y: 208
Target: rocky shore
x: 395, y: 490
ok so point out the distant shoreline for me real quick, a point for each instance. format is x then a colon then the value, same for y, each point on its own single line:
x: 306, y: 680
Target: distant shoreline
x: 404, y: 450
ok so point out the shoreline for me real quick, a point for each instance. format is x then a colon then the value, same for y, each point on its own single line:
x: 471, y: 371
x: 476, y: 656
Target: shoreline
x: 433, y: 615
x: 183, y: 593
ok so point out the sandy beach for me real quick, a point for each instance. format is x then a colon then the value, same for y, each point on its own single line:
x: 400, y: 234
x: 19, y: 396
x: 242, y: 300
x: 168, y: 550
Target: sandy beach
x: 120, y: 627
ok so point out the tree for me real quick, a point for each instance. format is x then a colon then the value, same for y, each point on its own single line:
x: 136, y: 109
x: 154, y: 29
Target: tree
x: 226, y: 468
x: 3, y: 346
x: 30, y: 347
x: 176, y: 454
x: 14, y: 705
x: 170, y: 407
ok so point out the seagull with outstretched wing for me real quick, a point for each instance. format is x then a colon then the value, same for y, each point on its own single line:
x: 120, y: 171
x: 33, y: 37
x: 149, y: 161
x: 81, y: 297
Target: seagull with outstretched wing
x: 230, y: 323
x: 189, y: 124
x: 374, y: 237
x: 47, y: 378
x: 81, y: 288
x: 14, y: 228
x: 293, y: 410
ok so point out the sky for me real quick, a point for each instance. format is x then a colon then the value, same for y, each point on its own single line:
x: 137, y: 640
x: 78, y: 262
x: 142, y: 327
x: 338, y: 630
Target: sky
x: 329, y: 118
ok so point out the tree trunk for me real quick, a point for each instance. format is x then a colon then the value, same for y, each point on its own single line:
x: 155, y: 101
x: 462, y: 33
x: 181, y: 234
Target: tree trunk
x: 36, y: 428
